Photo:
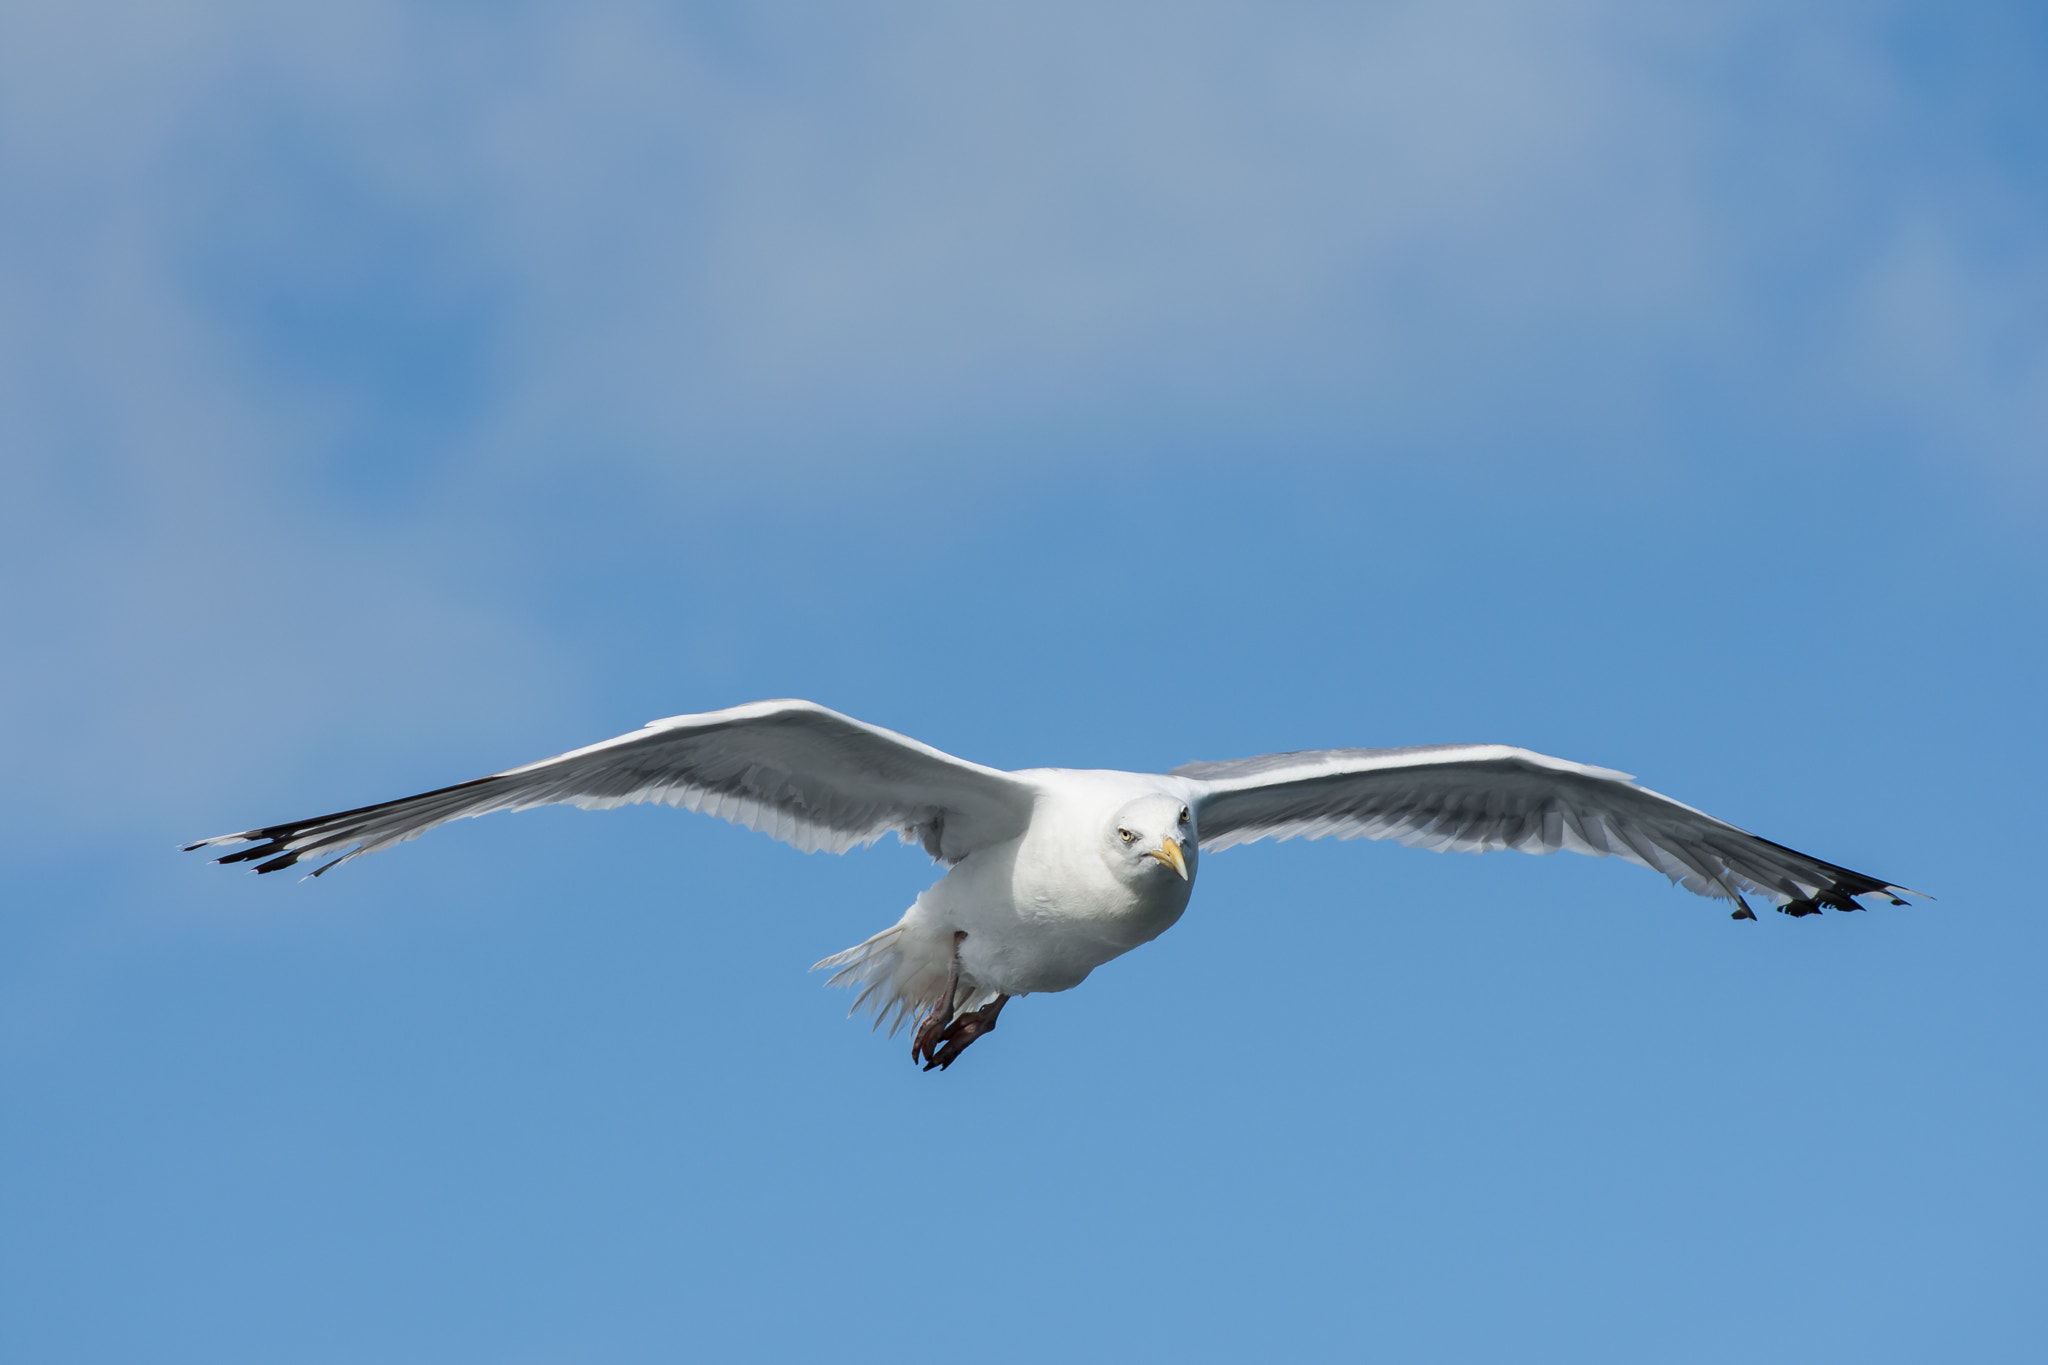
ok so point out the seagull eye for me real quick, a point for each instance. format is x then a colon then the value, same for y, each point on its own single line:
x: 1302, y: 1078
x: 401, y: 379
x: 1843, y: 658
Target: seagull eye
x: 1125, y: 835
x: 1183, y: 815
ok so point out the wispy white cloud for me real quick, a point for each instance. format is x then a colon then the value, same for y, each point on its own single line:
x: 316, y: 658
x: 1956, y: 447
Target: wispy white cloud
x: 689, y: 227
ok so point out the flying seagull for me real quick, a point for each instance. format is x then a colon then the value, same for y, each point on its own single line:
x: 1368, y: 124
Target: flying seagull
x: 1054, y: 871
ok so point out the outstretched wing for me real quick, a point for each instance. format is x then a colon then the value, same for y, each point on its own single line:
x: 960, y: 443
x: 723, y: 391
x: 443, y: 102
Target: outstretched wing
x: 807, y: 775
x: 1474, y: 798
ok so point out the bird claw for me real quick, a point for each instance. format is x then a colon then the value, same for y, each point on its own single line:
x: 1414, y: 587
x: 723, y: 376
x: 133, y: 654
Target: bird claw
x: 941, y: 1039
x: 929, y: 1030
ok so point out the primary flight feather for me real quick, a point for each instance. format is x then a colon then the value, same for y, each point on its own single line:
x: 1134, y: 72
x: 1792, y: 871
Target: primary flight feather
x: 1054, y: 871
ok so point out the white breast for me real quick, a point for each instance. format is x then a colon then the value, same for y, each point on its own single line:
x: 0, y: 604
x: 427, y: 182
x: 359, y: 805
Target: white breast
x: 1045, y: 910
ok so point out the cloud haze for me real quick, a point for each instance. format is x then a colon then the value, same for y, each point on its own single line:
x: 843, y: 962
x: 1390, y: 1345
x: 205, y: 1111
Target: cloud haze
x: 694, y: 236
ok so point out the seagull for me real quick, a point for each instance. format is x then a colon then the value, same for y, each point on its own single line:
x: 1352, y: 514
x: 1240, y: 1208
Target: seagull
x: 1052, y: 872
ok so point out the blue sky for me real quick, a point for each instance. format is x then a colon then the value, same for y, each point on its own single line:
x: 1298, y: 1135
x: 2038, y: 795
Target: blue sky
x: 394, y: 394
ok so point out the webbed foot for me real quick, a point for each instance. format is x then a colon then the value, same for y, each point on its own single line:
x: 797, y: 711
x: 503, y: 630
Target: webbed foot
x: 942, y: 1046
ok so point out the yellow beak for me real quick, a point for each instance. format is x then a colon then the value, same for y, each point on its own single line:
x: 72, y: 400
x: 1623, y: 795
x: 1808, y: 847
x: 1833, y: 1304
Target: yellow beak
x: 1168, y: 852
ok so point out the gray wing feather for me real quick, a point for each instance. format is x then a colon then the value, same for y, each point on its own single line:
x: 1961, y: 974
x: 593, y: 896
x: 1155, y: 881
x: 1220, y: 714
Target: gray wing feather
x: 1474, y: 798
x: 806, y: 775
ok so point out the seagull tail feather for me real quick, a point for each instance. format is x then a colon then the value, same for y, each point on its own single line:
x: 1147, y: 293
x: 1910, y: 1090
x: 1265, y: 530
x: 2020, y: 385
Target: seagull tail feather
x: 896, y: 978
x: 875, y: 968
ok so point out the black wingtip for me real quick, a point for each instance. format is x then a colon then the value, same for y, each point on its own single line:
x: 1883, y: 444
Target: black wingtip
x: 246, y: 855
x: 1802, y: 906
x: 1840, y: 898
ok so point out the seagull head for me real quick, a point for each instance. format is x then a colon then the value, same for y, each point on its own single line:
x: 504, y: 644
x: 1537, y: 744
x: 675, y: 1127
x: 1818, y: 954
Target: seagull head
x: 1153, y: 837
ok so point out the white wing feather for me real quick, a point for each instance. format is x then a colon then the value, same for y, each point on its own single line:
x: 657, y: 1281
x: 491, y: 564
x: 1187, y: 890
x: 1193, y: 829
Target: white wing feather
x: 806, y: 775
x: 1473, y: 798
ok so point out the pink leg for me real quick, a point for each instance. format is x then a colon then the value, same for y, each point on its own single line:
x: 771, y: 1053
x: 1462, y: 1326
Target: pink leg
x: 933, y: 1026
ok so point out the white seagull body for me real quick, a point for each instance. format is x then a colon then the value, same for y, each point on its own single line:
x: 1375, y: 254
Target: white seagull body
x: 1054, y: 871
